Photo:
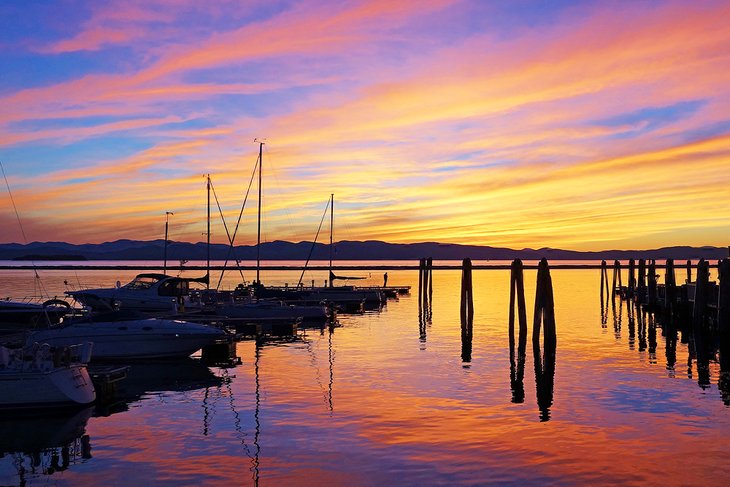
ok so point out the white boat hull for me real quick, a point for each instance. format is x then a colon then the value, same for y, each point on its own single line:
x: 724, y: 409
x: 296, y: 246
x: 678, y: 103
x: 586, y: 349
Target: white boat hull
x: 63, y: 386
x: 134, y: 339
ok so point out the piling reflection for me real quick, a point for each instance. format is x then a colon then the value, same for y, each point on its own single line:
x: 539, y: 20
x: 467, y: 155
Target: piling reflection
x: 723, y: 382
x: 45, y: 443
x: 617, y: 317
x: 691, y: 315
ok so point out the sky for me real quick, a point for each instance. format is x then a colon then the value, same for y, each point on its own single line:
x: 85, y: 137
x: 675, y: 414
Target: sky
x: 577, y: 125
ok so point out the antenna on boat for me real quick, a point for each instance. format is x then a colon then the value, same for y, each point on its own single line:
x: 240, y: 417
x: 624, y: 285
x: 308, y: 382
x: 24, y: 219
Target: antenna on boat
x: 167, y: 222
x: 207, y: 273
x: 261, y: 143
x: 332, y: 221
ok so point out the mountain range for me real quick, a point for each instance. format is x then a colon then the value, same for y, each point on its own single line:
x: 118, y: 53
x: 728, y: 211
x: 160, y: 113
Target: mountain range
x: 344, y: 250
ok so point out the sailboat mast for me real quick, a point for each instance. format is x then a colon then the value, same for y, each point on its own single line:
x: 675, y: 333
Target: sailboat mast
x: 207, y: 284
x: 258, y: 239
x: 332, y: 221
x: 167, y: 218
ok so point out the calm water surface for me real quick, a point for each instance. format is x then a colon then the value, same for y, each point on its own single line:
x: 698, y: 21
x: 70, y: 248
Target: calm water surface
x: 384, y: 399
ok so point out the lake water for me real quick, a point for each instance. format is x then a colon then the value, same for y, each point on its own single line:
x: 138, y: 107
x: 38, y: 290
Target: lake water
x: 384, y: 399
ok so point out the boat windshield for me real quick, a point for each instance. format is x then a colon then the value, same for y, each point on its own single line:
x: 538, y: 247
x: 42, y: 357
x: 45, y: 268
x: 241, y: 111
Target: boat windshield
x: 141, y: 283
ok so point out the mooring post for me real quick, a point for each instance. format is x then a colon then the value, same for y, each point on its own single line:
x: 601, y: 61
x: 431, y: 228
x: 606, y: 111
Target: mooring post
x: 421, y: 279
x: 641, y: 285
x: 670, y: 289
x: 544, y: 305
x: 632, y: 277
x: 651, y: 287
x: 616, y: 278
x: 517, y: 367
x: 467, y: 310
x: 701, y: 286
x: 723, y: 300
x: 517, y: 294
x: 604, y: 278
x: 429, y: 263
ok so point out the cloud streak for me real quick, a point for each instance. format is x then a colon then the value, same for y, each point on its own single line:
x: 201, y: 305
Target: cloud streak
x: 602, y: 127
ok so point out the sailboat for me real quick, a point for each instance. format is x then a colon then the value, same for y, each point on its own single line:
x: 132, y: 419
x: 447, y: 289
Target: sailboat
x: 349, y: 298
x: 18, y: 315
x: 39, y: 376
x: 256, y: 308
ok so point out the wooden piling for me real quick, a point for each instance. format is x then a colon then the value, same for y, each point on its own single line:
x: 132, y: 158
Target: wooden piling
x: 517, y: 294
x: 651, y: 284
x: 421, y: 274
x: 723, y: 301
x: 429, y: 265
x: 700, y: 298
x: 604, y: 279
x: 641, y: 284
x: 616, y: 281
x: 632, y: 278
x: 467, y: 310
x: 544, y: 306
x: 670, y: 290
x: 689, y: 271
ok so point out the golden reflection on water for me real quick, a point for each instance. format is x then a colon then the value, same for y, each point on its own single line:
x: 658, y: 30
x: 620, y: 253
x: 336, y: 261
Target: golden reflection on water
x: 386, y: 399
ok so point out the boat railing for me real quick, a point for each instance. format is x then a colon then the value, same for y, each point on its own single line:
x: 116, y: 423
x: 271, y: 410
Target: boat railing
x: 43, y: 357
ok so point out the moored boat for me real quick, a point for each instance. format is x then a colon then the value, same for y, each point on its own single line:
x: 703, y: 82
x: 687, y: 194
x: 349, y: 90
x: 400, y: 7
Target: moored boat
x: 128, y: 335
x: 41, y: 376
x: 18, y: 315
x: 150, y: 293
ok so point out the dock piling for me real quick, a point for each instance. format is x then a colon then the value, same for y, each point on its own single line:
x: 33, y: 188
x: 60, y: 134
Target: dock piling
x: 723, y: 301
x: 651, y: 285
x: 699, y: 310
x: 616, y: 279
x: 670, y: 290
x: 632, y: 278
x: 467, y: 310
x: 517, y: 363
x: 641, y: 284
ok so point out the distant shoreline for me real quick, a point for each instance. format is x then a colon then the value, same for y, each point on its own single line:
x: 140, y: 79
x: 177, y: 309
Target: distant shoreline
x: 374, y: 267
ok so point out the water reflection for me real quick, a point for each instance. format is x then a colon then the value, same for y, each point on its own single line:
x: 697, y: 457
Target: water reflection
x: 617, y: 316
x: 723, y: 383
x: 257, y: 419
x: 44, y: 444
x: 544, y: 377
x: 145, y: 379
x: 703, y: 340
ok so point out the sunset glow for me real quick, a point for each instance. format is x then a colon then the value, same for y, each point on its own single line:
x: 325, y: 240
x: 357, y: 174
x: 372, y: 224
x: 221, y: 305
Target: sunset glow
x: 576, y: 125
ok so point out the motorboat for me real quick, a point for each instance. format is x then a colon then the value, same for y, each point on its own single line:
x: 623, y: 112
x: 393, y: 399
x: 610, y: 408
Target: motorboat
x: 130, y: 335
x: 17, y: 315
x: 149, y: 293
x: 43, y: 376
